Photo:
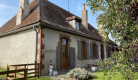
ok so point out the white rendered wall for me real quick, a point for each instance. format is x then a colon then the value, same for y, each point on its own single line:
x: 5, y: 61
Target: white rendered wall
x: 51, y: 42
x: 17, y: 48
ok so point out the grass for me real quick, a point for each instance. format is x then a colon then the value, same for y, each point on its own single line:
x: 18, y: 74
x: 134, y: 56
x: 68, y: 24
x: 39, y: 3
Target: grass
x: 100, y: 75
x: 40, y: 78
x: 2, y: 76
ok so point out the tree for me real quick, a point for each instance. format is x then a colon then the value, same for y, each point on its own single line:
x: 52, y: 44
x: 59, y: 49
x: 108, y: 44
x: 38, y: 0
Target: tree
x: 120, y: 18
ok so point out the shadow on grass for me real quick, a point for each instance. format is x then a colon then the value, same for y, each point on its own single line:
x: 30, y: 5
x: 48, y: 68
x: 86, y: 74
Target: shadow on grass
x: 94, y: 77
x: 103, y: 70
x: 40, y: 78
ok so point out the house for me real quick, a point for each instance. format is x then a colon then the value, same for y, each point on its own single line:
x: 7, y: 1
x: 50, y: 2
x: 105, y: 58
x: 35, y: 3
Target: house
x: 63, y: 38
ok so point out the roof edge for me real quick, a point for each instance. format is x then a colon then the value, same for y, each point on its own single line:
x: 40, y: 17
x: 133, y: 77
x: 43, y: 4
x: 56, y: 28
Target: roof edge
x: 20, y: 29
x: 72, y: 32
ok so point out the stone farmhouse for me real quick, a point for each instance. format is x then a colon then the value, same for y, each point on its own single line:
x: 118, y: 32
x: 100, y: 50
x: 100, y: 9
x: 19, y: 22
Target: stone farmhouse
x: 64, y: 38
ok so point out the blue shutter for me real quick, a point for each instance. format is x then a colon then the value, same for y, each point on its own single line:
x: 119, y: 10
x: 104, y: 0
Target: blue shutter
x: 72, y: 58
x: 97, y: 48
x: 87, y: 50
x: 58, y: 57
x: 107, y: 51
x: 79, y: 49
x: 91, y: 50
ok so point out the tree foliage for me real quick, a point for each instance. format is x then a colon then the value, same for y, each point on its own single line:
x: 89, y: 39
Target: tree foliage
x: 120, y: 18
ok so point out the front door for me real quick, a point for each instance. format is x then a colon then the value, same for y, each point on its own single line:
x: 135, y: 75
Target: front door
x: 102, y: 52
x: 64, y: 54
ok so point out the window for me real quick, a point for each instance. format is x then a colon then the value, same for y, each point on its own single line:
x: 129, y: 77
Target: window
x: 83, y: 50
x: 94, y: 50
x: 77, y: 25
x: 64, y: 47
x: 109, y: 51
x: 64, y: 41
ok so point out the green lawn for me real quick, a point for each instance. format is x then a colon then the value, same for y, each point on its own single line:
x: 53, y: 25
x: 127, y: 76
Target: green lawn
x: 2, y: 76
x: 100, y: 75
x: 40, y: 78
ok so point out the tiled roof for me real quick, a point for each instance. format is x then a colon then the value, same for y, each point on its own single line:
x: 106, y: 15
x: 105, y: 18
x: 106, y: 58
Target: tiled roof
x: 32, y: 18
x: 48, y: 13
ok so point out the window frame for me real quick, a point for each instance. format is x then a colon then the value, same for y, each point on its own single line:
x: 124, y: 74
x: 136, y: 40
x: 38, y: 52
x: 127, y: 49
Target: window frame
x: 76, y: 24
x: 94, y: 51
x: 85, y: 54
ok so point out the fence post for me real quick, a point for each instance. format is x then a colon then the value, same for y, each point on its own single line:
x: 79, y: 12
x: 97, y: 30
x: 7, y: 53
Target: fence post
x: 15, y: 73
x: 7, y: 73
x: 35, y: 68
x: 25, y: 66
x: 25, y: 74
x: 27, y: 70
x: 38, y: 70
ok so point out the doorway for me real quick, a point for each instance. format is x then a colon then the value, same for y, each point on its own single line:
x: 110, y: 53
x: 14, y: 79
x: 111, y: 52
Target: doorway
x: 64, y: 54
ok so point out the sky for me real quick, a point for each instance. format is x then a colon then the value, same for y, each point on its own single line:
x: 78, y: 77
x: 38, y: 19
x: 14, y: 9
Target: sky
x: 8, y: 9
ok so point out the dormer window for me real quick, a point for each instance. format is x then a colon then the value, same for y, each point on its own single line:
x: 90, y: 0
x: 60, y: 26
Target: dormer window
x: 74, y: 21
x: 77, y: 25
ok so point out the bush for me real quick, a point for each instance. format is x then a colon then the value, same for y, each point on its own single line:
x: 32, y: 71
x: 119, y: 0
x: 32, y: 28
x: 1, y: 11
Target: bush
x: 79, y: 73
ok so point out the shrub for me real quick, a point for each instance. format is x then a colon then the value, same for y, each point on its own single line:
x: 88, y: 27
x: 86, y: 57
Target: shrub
x: 79, y: 73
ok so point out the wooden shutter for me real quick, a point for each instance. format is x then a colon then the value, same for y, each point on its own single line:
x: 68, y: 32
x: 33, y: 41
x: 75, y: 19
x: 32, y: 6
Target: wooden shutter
x: 107, y: 51
x: 91, y: 50
x: 87, y: 50
x: 111, y: 53
x: 79, y: 49
x: 72, y: 58
x: 97, y: 50
x: 58, y: 57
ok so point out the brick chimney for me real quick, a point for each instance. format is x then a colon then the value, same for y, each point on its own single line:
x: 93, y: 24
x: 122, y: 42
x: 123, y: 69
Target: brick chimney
x: 84, y: 17
x: 23, y: 11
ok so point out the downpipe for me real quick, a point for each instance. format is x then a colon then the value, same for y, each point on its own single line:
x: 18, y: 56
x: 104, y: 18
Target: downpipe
x: 36, y: 44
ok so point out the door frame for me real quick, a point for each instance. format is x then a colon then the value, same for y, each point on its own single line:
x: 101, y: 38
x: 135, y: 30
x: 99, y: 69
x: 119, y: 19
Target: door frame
x: 68, y: 46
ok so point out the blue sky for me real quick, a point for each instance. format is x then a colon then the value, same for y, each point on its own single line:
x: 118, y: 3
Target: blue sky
x: 8, y: 8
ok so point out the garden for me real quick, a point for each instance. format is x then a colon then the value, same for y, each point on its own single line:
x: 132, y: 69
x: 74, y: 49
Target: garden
x: 99, y: 75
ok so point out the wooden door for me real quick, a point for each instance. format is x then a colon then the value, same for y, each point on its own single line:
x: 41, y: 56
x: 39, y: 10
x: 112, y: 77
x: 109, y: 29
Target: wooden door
x: 64, y: 54
x: 102, y: 52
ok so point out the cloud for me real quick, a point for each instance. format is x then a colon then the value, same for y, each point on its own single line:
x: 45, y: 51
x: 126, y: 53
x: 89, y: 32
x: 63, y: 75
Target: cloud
x: 79, y: 7
x: 6, y: 13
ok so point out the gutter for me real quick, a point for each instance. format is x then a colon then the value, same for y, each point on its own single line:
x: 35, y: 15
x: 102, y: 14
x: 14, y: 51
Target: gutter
x: 36, y: 44
x: 20, y: 29
x: 53, y: 27
x: 72, y: 32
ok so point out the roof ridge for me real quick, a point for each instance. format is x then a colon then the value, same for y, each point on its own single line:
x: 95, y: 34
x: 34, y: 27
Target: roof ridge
x: 67, y: 11
x: 63, y: 9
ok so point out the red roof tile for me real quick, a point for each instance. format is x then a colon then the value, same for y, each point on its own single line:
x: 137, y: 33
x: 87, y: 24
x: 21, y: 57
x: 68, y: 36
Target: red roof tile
x: 32, y: 18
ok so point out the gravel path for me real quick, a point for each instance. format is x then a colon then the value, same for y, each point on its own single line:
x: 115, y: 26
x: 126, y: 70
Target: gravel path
x: 63, y: 76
